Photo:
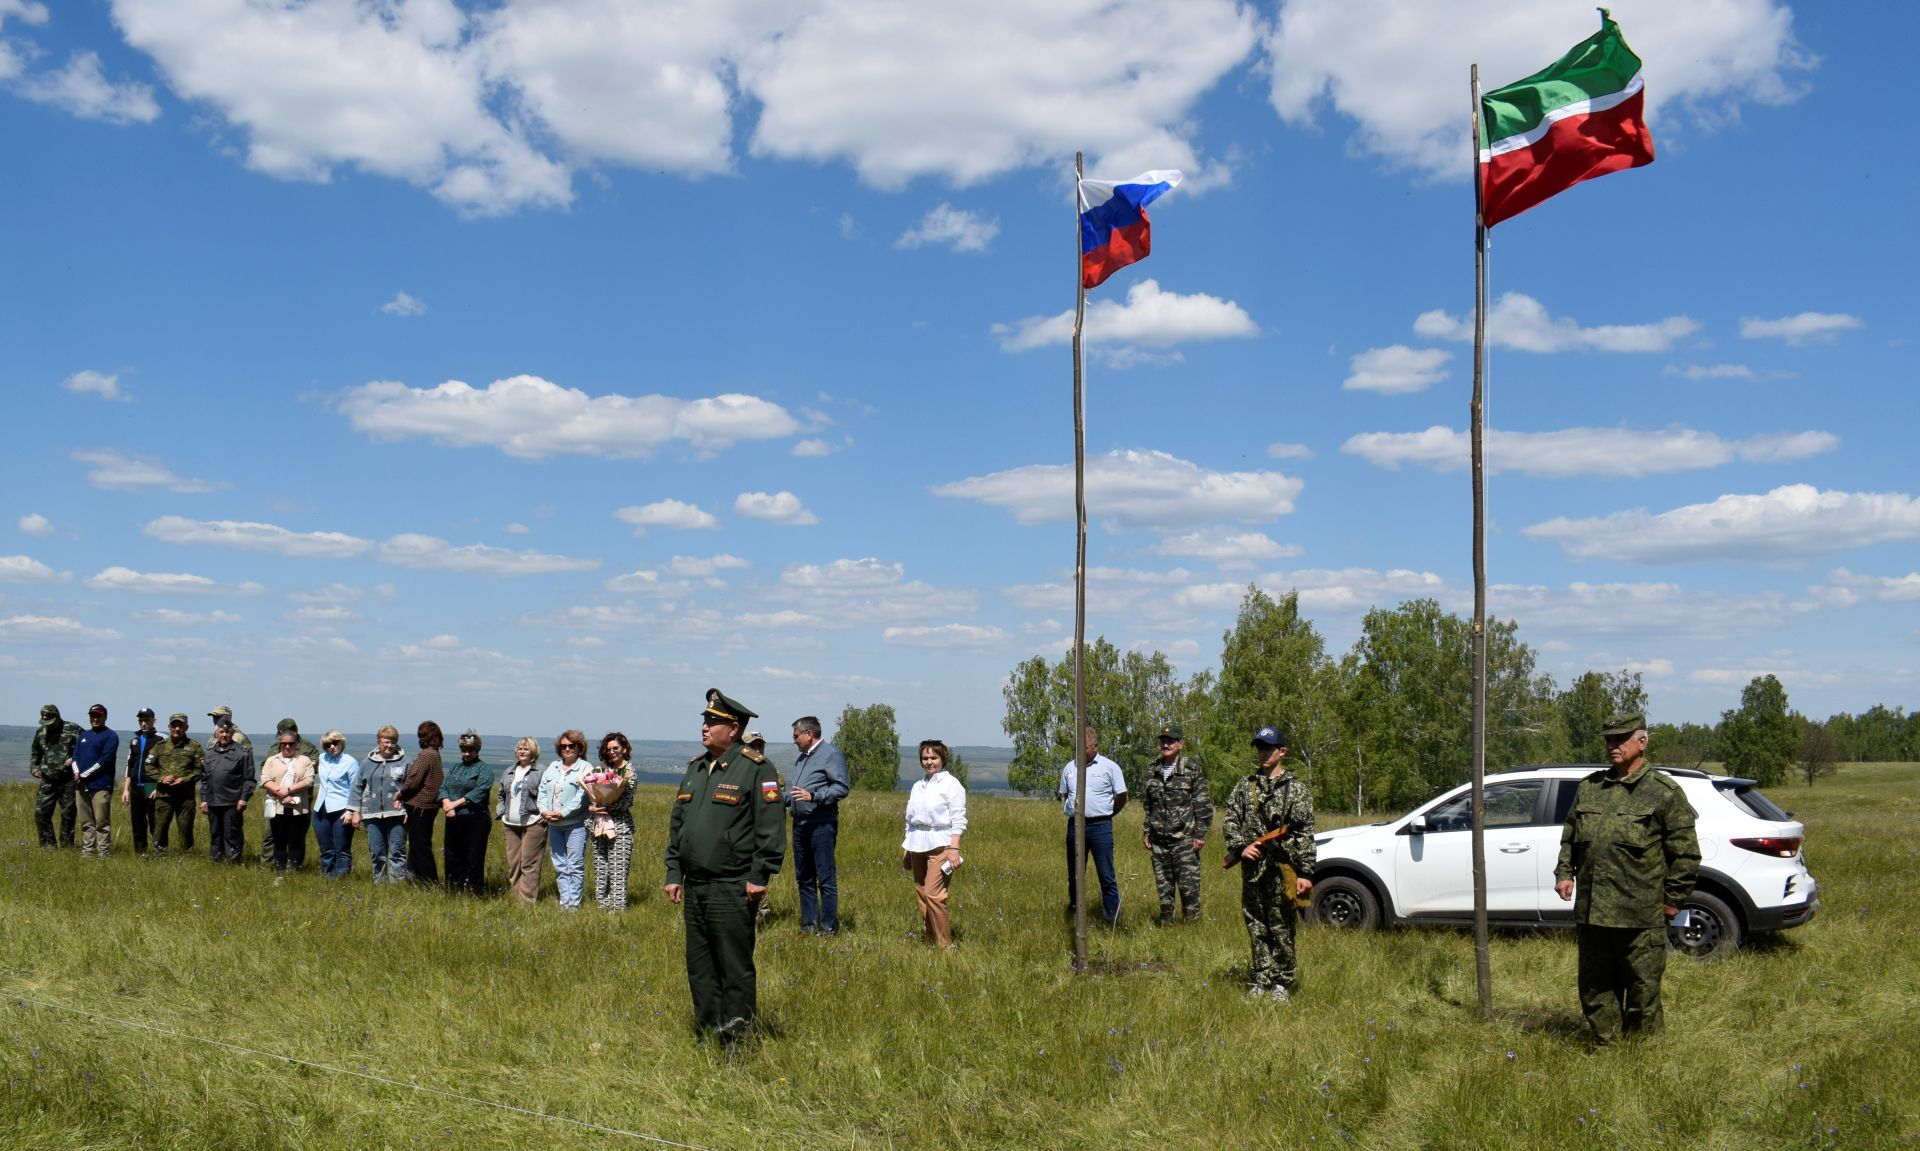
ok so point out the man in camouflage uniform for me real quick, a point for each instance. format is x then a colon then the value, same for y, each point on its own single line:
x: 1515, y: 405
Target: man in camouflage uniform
x: 1178, y: 813
x: 175, y: 766
x: 1628, y: 859
x: 1266, y: 801
x: 51, y: 763
x: 726, y: 839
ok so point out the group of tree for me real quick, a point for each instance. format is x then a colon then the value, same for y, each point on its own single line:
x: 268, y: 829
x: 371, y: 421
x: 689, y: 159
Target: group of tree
x: 1390, y: 722
x: 870, y: 739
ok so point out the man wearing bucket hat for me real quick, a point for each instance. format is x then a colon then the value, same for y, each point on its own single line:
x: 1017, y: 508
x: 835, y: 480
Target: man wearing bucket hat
x: 1269, y: 833
x: 725, y: 841
x: 1628, y: 858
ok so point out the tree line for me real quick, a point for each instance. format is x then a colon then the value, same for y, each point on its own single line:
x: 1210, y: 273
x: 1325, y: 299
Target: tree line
x: 1389, y: 722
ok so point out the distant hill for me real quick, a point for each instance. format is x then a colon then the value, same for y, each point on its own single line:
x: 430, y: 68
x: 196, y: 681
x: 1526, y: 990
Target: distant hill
x: 656, y: 760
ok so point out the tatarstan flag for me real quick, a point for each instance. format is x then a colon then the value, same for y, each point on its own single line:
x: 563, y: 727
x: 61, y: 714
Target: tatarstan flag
x: 1580, y: 117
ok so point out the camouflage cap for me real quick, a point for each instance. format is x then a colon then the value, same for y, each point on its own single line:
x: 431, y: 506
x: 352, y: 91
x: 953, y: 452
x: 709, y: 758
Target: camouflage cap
x: 722, y: 706
x: 756, y: 739
x: 221, y: 712
x: 49, y: 713
x: 287, y: 725
x: 179, y: 717
x: 1172, y: 731
x: 1626, y: 723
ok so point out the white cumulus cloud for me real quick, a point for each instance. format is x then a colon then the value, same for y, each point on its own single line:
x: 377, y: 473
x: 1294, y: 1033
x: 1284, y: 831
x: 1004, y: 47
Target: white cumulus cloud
x: 1225, y: 547
x: 165, y: 583
x: 774, y: 507
x: 1396, y: 370
x: 106, y: 385
x: 1617, y: 452
x: 247, y: 535
x: 666, y: 514
x: 1132, y: 489
x: 1149, y: 319
x: 429, y: 553
x: 1788, y: 522
x: 1844, y: 588
x: 1523, y: 323
x: 35, y: 524
x: 115, y: 472
x: 530, y: 418
x: 1801, y: 330
x: 704, y: 566
x: 28, y: 628
x: 960, y: 230
x: 945, y: 635
x: 26, y: 569
x: 81, y: 88
x: 403, y: 305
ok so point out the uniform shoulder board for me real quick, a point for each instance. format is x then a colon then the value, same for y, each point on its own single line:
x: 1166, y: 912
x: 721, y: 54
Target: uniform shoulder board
x: 695, y: 761
x: 753, y: 755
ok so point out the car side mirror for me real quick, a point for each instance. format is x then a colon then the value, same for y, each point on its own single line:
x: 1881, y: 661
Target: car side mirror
x: 1415, y: 826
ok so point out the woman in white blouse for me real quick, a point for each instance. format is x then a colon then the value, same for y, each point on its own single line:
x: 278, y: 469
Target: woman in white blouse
x: 519, y: 812
x: 936, y: 819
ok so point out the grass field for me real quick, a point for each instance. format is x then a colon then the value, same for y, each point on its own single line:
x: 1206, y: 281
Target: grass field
x: 1807, y: 1040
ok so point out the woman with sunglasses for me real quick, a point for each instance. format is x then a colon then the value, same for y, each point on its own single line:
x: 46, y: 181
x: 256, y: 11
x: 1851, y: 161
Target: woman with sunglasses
x: 563, y: 804
x: 287, y: 778
x: 612, y: 837
x: 333, y: 791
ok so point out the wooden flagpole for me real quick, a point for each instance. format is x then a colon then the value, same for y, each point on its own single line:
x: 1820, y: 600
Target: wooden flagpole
x: 1482, y: 962
x: 1079, y: 588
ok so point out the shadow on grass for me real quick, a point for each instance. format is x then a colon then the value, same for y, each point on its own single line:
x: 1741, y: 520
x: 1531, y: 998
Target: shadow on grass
x: 1559, y: 1022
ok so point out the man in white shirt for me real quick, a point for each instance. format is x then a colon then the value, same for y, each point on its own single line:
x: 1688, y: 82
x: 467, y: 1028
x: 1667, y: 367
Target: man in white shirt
x: 1106, y: 796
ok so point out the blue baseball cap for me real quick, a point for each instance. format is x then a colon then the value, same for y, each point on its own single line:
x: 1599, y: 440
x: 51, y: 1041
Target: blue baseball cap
x: 1269, y: 736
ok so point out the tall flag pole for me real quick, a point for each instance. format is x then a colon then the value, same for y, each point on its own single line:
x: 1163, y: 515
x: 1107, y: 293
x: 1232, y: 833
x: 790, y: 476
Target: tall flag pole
x: 1112, y: 231
x: 1579, y: 118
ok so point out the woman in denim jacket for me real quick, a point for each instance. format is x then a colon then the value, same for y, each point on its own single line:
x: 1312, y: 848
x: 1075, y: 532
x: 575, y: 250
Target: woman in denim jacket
x: 519, y: 815
x: 375, y: 805
x: 563, y: 804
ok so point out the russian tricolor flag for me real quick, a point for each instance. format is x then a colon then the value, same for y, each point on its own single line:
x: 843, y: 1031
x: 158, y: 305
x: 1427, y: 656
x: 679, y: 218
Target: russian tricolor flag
x: 1114, y: 230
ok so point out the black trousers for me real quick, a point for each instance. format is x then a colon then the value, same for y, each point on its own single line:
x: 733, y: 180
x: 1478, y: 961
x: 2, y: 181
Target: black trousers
x: 420, y: 844
x: 720, y: 972
x: 225, y: 829
x: 465, y: 845
x: 141, y: 806
x: 289, y: 832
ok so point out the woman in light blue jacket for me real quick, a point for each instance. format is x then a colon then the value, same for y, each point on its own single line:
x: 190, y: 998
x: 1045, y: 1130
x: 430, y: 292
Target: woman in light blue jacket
x: 375, y: 805
x: 333, y: 792
x: 563, y: 804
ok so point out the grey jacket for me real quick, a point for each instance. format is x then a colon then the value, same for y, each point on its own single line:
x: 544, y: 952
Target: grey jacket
x: 377, y: 785
x: 822, y: 771
x: 529, y: 795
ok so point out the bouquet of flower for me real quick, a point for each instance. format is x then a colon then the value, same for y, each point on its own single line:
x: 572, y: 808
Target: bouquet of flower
x: 603, y: 787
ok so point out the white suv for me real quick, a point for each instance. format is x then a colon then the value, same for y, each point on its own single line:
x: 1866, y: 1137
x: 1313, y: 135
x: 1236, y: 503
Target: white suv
x: 1419, y: 868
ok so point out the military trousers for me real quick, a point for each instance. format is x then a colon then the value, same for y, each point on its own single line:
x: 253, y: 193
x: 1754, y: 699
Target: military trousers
x: 1620, y: 972
x: 1176, y: 869
x: 173, y: 806
x: 96, y: 820
x: 140, y: 814
x: 56, y: 794
x: 720, y: 972
x: 1270, y: 917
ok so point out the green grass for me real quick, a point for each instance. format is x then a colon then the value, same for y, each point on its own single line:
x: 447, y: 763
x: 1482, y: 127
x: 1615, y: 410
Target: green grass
x: 1807, y: 1040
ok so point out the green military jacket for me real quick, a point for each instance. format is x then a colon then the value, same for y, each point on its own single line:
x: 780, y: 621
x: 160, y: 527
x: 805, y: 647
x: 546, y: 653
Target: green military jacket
x: 1259, y: 805
x: 1629, y: 846
x: 185, y: 760
x: 52, y: 748
x: 728, y: 820
x: 1177, y: 807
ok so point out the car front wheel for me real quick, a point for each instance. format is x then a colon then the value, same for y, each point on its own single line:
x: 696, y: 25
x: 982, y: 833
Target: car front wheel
x: 1714, y: 932
x: 1343, y: 902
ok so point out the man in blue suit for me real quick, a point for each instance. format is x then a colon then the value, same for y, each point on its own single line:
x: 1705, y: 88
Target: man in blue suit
x: 819, y: 784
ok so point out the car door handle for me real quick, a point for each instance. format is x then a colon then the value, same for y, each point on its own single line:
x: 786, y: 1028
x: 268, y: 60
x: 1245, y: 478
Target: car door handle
x: 1514, y: 849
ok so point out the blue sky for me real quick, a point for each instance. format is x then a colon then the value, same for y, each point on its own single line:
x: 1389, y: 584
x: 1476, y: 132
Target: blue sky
x: 534, y: 364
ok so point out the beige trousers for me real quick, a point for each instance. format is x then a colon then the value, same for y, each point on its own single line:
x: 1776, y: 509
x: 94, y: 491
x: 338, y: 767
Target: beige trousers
x: 930, y: 885
x: 526, y: 847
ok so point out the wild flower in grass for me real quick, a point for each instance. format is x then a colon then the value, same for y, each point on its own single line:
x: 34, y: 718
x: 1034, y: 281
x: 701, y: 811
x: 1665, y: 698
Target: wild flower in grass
x: 1510, y: 1055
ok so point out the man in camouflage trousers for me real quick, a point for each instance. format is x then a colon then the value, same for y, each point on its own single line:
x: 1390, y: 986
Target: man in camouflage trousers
x: 1628, y: 859
x: 1270, y: 799
x: 50, y: 761
x: 175, y: 766
x: 1178, y: 813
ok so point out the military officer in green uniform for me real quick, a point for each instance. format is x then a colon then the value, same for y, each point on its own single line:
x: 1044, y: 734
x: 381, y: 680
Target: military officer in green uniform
x: 1178, y: 813
x: 1628, y: 859
x: 725, y: 841
x: 175, y: 765
x: 51, y: 761
x: 1269, y: 830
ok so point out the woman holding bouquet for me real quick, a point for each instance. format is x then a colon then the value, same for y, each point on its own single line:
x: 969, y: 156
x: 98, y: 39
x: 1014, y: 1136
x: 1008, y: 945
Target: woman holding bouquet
x: 563, y: 804
x: 610, y: 804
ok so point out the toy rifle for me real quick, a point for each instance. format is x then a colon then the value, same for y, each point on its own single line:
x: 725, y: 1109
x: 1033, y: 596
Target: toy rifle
x: 1288, y: 877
